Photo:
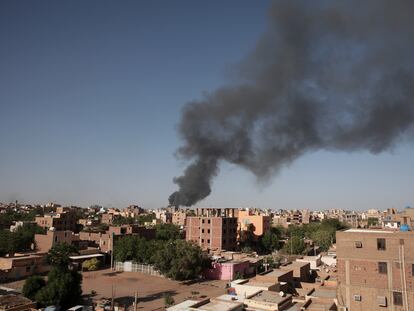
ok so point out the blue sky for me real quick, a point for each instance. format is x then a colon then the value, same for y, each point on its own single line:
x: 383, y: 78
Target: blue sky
x: 90, y: 96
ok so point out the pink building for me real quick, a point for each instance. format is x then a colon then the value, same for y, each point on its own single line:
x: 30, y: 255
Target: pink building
x: 227, y: 270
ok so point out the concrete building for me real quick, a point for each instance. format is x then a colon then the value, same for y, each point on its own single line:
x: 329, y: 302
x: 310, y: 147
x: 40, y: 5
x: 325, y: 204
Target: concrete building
x: 269, y: 301
x: 179, y: 218
x: 44, y: 242
x: 62, y: 219
x: 375, y: 269
x: 16, y: 303
x: 248, y: 220
x: 227, y: 270
x: 21, y: 266
x: 213, y: 228
x: 105, y: 240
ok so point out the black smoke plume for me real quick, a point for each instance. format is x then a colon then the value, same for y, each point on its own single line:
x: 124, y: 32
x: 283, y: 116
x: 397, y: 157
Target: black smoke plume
x: 332, y: 75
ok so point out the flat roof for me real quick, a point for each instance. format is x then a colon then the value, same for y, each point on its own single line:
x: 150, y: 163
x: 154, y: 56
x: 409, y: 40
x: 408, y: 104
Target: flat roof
x: 369, y: 231
x: 86, y: 256
x: 324, y: 293
x: 183, y: 306
x: 272, y: 297
x: 220, y: 305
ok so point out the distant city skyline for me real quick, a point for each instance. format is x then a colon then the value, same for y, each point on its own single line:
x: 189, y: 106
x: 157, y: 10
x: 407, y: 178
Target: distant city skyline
x: 91, y: 94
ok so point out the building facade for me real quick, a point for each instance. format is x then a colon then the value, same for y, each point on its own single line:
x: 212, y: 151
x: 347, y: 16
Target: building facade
x: 375, y: 270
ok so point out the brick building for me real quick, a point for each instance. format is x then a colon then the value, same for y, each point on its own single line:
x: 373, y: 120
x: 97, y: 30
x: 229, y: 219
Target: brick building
x: 21, y: 266
x: 44, y: 242
x: 105, y: 240
x: 62, y: 219
x: 375, y: 269
x: 213, y: 228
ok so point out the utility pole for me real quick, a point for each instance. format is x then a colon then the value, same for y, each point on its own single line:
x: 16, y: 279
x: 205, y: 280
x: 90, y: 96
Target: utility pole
x: 136, y: 301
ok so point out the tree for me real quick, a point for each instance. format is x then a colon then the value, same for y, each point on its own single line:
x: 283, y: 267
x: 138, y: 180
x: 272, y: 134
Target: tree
x: 167, y: 232
x: 270, y: 241
x: 63, y: 287
x: 59, y: 255
x: 32, y: 285
x: 323, y: 238
x: 295, y: 245
x: 91, y: 264
x: 179, y: 260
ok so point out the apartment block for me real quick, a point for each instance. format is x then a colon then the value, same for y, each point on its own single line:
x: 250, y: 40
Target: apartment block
x: 212, y: 232
x: 259, y: 224
x: 44, y: 242
x: 375, y: 269
x: 62, y: 219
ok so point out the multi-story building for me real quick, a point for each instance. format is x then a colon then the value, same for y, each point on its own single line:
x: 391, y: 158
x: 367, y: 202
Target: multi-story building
x: 179, y: 217
x: 62, y: 219
x: 44, y: 242
x: 105, y: 240
x: 375, y: 269
x: 248, y: 220
x: 213, y: 229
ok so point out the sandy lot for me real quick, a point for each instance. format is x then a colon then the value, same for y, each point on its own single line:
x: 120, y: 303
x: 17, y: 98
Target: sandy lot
x: 150, y: 288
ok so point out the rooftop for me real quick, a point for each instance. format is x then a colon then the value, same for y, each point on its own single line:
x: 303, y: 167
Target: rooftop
x: 272, y: 297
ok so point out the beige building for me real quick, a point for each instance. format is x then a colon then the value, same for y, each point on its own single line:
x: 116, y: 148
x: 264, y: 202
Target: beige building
x: 62, y: 219
x: 21, y: 266
x: 375, y: 270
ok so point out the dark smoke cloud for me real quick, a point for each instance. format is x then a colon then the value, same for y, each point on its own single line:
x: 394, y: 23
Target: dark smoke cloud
x: 331, y: 75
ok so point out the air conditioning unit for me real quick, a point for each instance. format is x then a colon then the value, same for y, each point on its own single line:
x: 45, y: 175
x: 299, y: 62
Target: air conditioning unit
x: 357, y: 297
x: 342, y: 309
x: 358, y: 244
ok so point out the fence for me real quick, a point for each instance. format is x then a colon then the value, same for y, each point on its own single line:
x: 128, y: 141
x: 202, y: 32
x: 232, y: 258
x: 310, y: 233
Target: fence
x: 129, y: 266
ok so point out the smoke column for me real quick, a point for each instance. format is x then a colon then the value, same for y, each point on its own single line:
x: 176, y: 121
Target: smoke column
x: 330, y: 75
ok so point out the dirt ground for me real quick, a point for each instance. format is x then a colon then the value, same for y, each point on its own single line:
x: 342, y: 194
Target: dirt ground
x: 150, y: 288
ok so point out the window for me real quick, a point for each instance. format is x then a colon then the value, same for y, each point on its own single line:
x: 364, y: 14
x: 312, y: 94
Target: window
x: 357, y: 297
x: 381, y: 244
x: 358, y: 244
x: 224, y: 241
x: 224, y: 231
x: 27, y: 269
x: 382, y: 301
x: 202, y: 240
x: 397, y: 298
x: 208, y: 241
x: 208, y: 221
x: 208, y: 230
x: 203, y: 220
x: 382, y: 267
x: 202, y: 230
x: 412, y: 270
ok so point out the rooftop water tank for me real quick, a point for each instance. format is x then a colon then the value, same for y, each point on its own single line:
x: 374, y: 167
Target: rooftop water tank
x: 404, y: 228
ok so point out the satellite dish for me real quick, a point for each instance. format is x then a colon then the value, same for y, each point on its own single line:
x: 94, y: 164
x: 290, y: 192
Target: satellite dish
x: 281, y: 294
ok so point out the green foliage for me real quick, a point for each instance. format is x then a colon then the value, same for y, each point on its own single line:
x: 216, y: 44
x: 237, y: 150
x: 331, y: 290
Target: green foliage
x: 270, y: 241
x: 63, y: 288
x: 323, y: 238
x: 142, y: 219
x: 168, y: 300
x: 372, y: 222
x: 91, y: 264
x: 58, y: 256
x: 167, y: 232
x: 32, y: 285
x: 7, y: 218
x: 119, y: 221
x: 179, y: 260
x: 295, y: 246
x: 135, y: 248
x: 18, y: 241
